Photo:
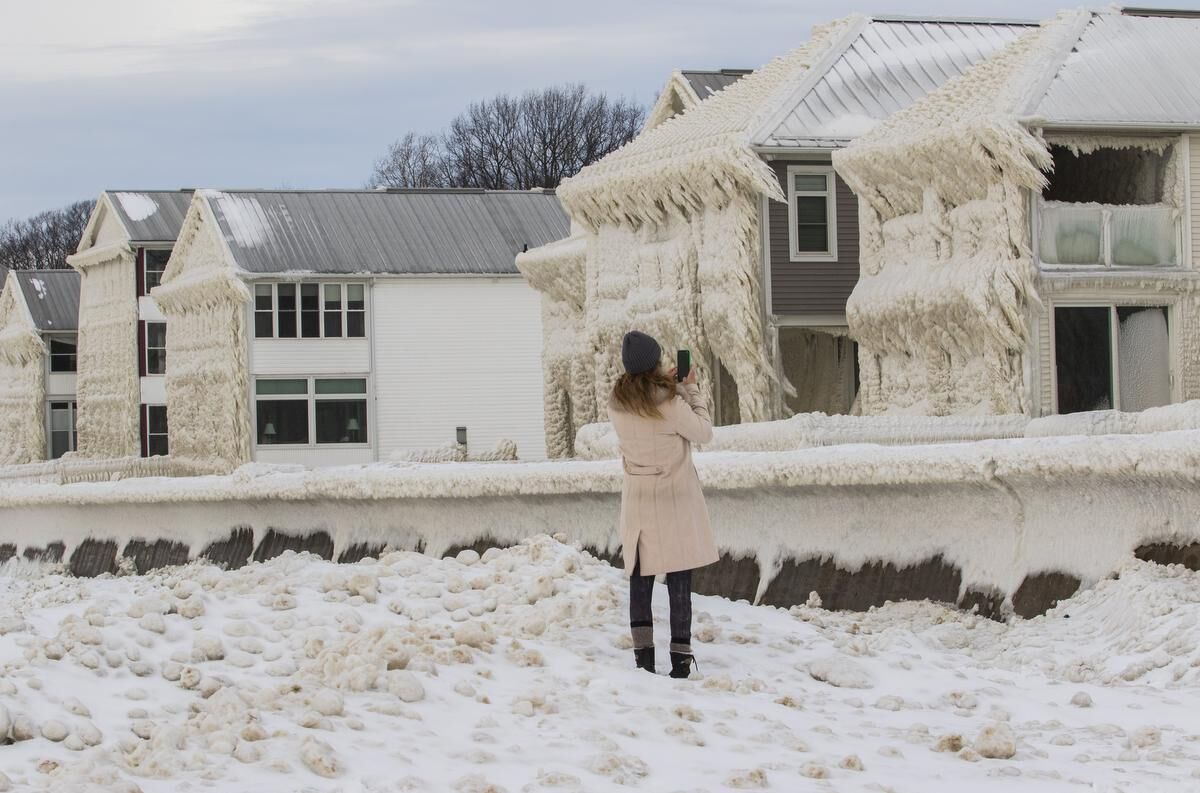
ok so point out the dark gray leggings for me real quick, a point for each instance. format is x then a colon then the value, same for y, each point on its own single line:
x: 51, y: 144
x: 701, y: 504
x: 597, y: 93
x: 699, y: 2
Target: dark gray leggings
x: 641, y: 619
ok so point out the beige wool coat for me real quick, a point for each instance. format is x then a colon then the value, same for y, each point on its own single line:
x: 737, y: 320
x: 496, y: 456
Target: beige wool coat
x: 663, y: 514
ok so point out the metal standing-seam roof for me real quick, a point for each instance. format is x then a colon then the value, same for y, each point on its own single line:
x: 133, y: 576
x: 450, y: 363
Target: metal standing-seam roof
x: 52, y: 297
x: 151, y: 215
x: 394, y: 231
x: 1128, y: 70
x: 892, y: 63
x: 707, y: 83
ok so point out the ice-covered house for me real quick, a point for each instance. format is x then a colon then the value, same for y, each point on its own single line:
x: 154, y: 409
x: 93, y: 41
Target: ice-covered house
x: 1029, y: 230
x: 122, y: 334
x: 38, y: 323
x: 724, y: 229
x: 331, y: 327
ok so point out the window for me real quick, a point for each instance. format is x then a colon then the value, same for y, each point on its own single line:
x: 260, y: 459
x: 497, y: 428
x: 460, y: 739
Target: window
x: 154, y: 430
x: 62, y: 354
x: 341, y: 411
x: 310, y: 310
x: 356, y: 310
x: 154, y: 264
x: 156, y: 348
x: 1111, y: 207
x: 264, y: 311
x: 1111, y: 357
x: 310, y: 304
x: 293, y: 411
x: 63, y: 437
x: 333, y: 310
x: 812, y: 213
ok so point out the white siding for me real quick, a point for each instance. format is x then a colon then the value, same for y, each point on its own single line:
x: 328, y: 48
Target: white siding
x: 1194, y: 199
x: 309, y: 356
x: 148, y: 310
x: 313, y: 458
x: 154, y: 390
x: 60, y: 384
x: 1046, y: 374
x: 451, y: 352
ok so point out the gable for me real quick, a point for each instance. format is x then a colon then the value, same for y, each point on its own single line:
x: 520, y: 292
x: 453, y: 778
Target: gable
x: 886, y: 67
x: 103, y: 228
x: 200, y: 271
x: 19, y: 339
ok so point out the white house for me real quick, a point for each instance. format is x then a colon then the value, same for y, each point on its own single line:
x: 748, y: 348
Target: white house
x: 122, y: 355
x: 345, y: 326
x: 1029, y: 231
x: 38, y: 318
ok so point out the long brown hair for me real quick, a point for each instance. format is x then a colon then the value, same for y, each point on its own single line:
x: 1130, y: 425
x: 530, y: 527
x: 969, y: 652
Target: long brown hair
x: 642, y: 393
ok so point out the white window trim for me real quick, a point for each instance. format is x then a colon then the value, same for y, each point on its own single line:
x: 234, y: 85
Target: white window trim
x: 73, y: 435
x: 146, y: 351
x: 1169, y: 302
x: 830, y: 195
x: 149, y: 433
x: 345, y: 310
x: 145, y: 272
x: 73, y: 338
x: 312, y: 397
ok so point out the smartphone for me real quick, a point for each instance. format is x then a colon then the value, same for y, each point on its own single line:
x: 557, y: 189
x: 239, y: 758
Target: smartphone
x: 683, y: 365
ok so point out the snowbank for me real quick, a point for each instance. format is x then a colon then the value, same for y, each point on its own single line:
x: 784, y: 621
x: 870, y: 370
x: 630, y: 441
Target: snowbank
x: 409, y: 673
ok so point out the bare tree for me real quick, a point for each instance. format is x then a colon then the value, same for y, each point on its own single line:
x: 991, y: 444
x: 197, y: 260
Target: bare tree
x: 44, y: 241
x: 535, y: 140
x: 412, y: 161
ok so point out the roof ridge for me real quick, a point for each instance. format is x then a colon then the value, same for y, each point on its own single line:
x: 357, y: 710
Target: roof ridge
x: 953, y: 20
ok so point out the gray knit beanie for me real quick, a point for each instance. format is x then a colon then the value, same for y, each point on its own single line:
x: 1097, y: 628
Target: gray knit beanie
x: 639, y: 352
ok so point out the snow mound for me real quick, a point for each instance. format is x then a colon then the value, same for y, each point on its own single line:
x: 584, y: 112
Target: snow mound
x: 509, y: 672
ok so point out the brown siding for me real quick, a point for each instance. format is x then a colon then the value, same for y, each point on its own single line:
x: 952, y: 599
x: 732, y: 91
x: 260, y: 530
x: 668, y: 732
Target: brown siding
x: 812, y: 287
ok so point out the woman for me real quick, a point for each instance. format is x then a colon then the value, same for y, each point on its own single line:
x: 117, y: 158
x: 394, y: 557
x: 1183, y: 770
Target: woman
x: 664, y: 521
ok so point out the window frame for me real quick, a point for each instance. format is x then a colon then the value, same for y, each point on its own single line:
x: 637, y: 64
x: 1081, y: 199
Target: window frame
x: 148, y: 435
x: 343, y: 311
x: 71, y: 338
x: 1114, y: 304
x: 311, y: 397
x: 72, y: 435
x: 143, y: 265
x: 830, y: 195
x: 146, y: 348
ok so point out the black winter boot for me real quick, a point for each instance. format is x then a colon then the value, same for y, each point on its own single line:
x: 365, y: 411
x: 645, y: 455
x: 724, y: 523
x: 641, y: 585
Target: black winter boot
x: 644, y: 658
x: 681, y: 664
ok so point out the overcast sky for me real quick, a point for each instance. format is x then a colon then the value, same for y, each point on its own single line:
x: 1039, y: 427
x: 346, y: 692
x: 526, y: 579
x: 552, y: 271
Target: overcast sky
x: 98, y: 94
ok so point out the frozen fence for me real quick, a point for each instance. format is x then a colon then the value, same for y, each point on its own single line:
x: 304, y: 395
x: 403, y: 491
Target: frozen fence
x: 806, y: 430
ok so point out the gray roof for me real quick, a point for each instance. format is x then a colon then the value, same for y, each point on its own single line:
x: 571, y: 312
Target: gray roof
x: 705, y: 84
x: 52, y: 297
x: 1128, y: 70
x: 395, y: 231
x: 151, y: 215
x: 888, y: 66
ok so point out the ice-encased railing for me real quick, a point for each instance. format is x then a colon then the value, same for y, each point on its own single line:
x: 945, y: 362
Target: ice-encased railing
x: 1107, y: 234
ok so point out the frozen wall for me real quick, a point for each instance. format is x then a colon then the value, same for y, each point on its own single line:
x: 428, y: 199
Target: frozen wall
x: 207, y: 382
x: 107, y: 388
x: 22, y: 381
x: 991, y: 512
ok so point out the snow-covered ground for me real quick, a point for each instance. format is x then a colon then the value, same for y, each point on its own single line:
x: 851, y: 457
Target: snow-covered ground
x: 513, y: 673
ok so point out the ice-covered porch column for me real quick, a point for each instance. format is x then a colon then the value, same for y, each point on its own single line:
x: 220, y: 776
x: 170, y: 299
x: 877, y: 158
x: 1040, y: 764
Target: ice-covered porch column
x: 108, y: 391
